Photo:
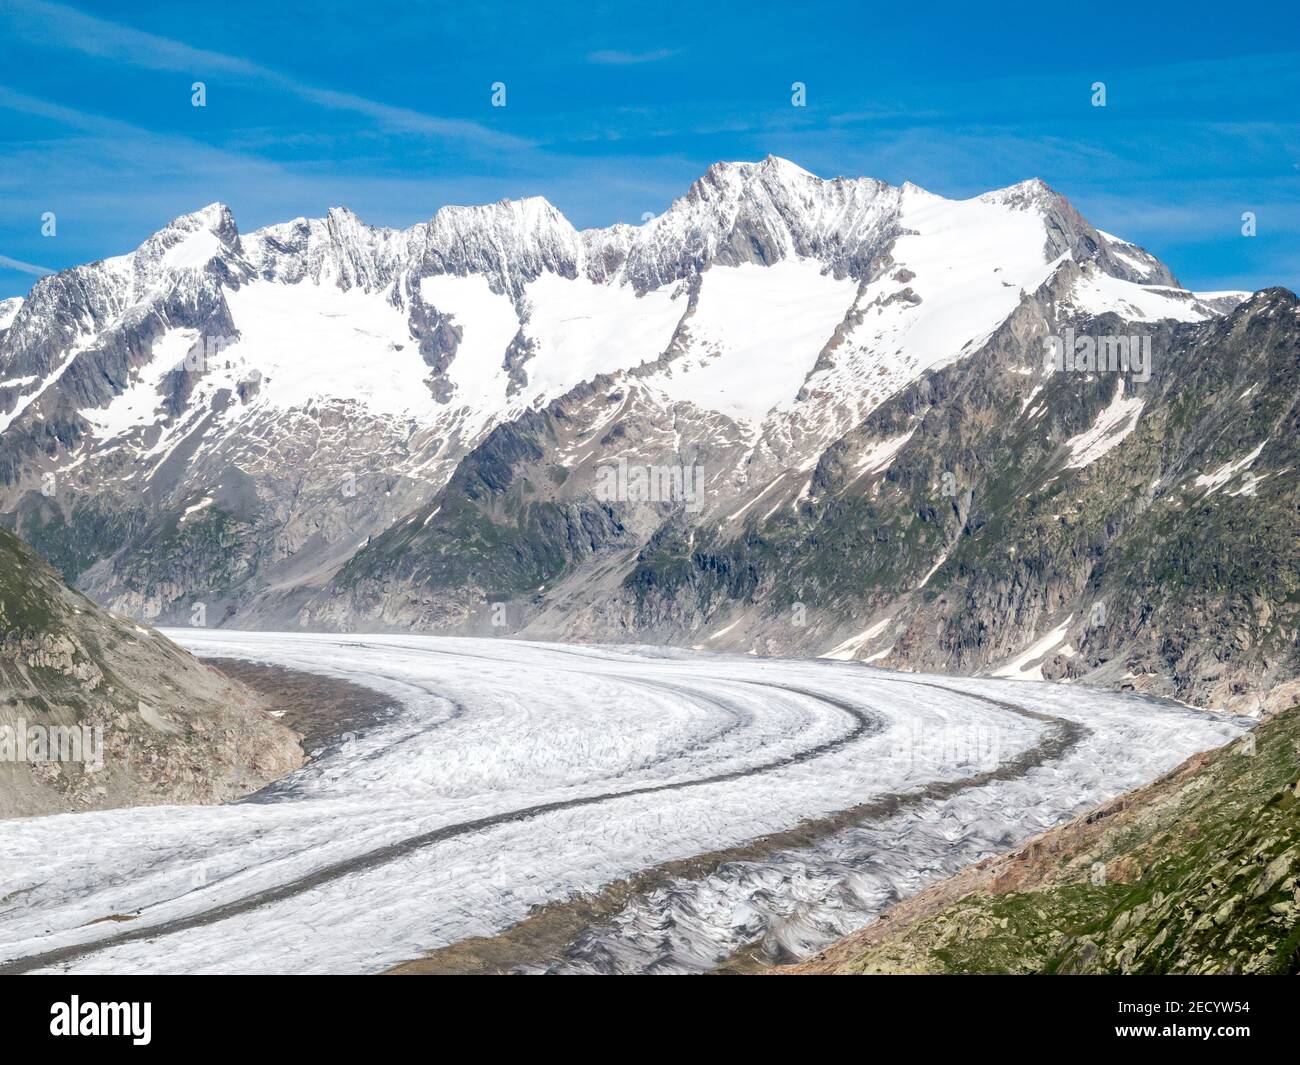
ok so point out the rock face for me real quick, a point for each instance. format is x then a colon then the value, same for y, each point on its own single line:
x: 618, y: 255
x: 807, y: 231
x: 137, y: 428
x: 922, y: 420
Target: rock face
x: 97, y: 712
x: 787, y: 415
x: 1197, y: 873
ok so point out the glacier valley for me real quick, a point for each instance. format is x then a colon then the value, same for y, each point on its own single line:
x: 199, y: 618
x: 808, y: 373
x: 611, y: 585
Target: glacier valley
x: 512, y: 775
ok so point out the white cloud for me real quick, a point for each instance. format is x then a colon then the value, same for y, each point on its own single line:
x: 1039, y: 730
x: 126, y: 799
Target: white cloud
x: 22, y: 267
x: 614, y: 57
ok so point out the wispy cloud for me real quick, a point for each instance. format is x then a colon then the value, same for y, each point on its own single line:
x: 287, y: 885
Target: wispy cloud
x: 23, y: 103
x: 614, y: 57
x: 60, y: 26
x: 22, y: 267
x: 170, y: 174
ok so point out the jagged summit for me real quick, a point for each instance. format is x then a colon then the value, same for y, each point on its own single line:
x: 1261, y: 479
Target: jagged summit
x: 193, y: 239
x: 735, y: 213
x: 1034, y: 188
x: 216, y: 217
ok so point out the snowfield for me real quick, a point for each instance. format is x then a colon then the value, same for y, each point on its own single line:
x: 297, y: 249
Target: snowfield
x: 513, y: 774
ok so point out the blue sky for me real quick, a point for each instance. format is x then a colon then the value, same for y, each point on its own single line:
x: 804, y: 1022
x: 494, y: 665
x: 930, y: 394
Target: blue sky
x: 612, y: 109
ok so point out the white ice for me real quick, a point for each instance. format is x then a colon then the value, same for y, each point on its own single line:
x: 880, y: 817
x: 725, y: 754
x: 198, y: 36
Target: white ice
x: 645, y: 755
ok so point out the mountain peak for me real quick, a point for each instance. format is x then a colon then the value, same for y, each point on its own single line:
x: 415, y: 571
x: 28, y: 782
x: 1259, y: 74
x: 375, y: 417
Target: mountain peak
x: 780, y: 165
x: 1032, y: 192
x: 188, y: 242
x: 215, y: 218
x: 344, y: 214
x: 769, y: 167
x: 528, y: 212
x: 346, y: 228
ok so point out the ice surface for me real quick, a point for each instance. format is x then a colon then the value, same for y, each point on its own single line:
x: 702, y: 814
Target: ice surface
x: 639, y: 756
x: 1097, y: 293
x: 309, y: 342
x: 756, y: 335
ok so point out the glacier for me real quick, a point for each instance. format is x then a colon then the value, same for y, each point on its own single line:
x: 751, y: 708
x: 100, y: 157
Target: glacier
x: 514, y: 774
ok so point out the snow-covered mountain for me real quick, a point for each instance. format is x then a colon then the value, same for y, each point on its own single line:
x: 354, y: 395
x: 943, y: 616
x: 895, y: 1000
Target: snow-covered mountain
x: 212, y: 428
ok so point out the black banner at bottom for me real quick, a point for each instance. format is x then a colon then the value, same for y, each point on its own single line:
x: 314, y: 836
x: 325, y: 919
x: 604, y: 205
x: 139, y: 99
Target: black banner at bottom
x: 215, y: 1014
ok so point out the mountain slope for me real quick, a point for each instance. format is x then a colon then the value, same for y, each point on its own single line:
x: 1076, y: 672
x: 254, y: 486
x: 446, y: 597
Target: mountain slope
x: 140, y: 721
x: 1149, y: 527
